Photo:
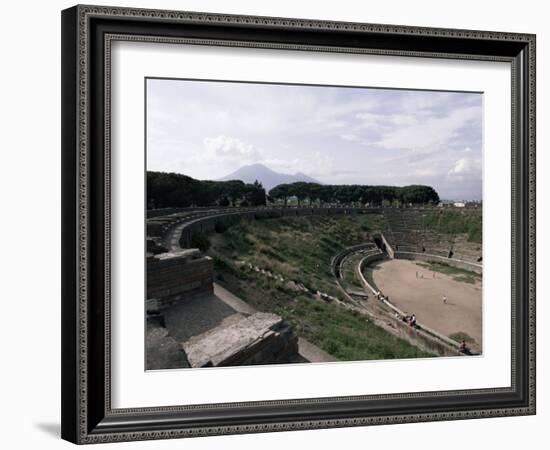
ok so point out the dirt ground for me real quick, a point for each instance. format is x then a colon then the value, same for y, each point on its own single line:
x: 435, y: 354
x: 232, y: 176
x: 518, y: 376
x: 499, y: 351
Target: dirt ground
x: 423, y: 296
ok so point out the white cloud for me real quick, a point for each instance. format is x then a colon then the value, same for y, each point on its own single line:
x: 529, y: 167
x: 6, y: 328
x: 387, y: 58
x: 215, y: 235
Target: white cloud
x: 404, y: 120
x: 349, y: 137
x: 433, y: 131
x: 387, y: 120
x: 226, y: 147
x: 425, y: 172
x: 466, y: 167
x: 369, y: 117
x: 207, y: 130
x: 335, y: 124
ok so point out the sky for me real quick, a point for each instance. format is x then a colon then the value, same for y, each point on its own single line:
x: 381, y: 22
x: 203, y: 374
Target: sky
x: 337, y: 135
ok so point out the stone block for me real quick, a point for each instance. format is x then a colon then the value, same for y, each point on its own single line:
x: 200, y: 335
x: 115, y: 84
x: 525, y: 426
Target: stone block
x: 262, y: 338
x: 178, y: 275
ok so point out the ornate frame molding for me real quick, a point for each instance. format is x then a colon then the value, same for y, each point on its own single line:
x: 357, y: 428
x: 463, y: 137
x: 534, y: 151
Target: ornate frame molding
x: 85, y: 30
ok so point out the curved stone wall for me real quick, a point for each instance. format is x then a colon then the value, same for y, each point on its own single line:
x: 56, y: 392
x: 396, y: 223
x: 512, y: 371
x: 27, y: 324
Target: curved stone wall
x: 446, y: 341
x: 458, y: 263
x: 367, y: 260
x: 208, y: 222
x: 337, y: 262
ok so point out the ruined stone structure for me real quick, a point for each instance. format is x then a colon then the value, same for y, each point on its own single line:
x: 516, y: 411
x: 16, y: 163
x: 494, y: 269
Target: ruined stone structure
x: 338, y: 261
x: 454, y: 262
x: 175, y: 276
x: 406, y: 231
x: 261, y: 338
x: 188, y: 325
x: 381, y: 311
x: 177, y: 228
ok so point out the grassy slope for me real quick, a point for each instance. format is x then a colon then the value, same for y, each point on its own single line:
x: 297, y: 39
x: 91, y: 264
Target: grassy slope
x: 301, y: 249
x: 466, y: 276
x: 456, y: 222
x: 349, y: 272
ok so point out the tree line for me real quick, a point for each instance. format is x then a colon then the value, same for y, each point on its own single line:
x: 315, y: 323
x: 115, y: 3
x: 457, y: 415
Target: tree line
x: 324, y: 194
x: 169, y: 190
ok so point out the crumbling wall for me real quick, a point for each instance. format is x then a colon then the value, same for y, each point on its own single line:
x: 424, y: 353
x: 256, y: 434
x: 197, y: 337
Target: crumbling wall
x: 175, y: 276
x: 262, y: 338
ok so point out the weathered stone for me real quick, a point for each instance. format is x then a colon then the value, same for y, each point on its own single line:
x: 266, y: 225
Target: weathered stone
x: 155, y: 246
x: 152, y: 306
x: 177, y: 276
x: 162, y: 351
x: 189, y: 252
x: 261, y: 338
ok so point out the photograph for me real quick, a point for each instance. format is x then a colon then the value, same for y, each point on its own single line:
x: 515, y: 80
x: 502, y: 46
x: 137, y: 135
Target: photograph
x: 297, y: 223
x: 311, y: 219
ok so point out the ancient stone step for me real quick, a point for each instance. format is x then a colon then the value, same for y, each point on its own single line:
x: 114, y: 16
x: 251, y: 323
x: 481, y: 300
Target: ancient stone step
x: 261, y: 338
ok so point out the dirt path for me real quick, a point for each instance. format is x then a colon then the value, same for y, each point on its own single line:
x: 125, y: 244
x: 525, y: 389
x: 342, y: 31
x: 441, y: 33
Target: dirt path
x: 423, y: 296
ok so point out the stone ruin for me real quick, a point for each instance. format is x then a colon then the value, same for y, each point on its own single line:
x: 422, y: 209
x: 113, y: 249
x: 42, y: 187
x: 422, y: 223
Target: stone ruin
x: 189, y: 326
x: 262, y: 338
x: 175, y: 276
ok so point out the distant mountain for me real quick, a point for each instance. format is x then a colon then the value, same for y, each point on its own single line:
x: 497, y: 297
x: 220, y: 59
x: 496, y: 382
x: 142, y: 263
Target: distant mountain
x: 269, y: 178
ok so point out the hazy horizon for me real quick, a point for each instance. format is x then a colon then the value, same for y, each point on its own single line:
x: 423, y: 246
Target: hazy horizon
x: 336, y: 135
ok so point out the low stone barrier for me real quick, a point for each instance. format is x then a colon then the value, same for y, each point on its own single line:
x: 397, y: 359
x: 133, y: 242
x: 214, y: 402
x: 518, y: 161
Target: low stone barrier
x: 339, y: 257
x: 207, y: 223
x: 177, y: 275
x: 151, y: 213
x: 365, y: 262
x: 458, y: 263
x: 389, y: 248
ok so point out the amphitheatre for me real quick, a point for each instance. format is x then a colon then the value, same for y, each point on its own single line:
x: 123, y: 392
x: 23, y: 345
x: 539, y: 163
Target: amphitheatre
x: 242, y: 285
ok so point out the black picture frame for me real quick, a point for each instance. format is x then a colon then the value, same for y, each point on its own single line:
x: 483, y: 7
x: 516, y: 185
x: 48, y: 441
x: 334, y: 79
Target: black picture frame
x: 87, y: 416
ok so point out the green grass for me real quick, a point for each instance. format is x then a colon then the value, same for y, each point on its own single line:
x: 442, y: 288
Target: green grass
x: 349, y: 271
x: 301, y: 249
x: 200, y: 241
x: 456, y: 222
x: 463, y: 275
x: 461, y: 336
x: 346, y: 335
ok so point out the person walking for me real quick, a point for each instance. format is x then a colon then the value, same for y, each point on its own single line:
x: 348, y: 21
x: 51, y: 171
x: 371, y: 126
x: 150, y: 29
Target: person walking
x: 444, y: 299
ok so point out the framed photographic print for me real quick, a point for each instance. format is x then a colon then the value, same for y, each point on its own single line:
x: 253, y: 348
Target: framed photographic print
x: 279, y: 224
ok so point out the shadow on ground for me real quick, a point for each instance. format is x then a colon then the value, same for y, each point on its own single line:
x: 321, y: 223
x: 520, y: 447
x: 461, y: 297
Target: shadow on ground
x: 53, y: 429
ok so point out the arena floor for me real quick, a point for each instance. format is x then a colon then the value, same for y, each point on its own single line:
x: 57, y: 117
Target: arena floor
x: 423, y: 296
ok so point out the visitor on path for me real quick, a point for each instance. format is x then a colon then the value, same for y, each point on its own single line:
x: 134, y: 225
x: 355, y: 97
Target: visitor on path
x: 444, y: 299
x: 462, y: 348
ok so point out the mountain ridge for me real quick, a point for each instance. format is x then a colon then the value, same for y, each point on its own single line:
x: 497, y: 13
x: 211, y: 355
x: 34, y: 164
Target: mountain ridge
x: 268, y: 177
